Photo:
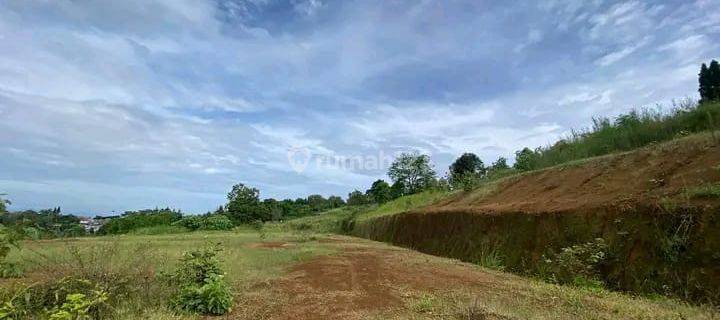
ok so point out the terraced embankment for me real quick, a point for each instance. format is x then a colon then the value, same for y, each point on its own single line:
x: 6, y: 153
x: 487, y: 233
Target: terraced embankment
x: 654, y: 208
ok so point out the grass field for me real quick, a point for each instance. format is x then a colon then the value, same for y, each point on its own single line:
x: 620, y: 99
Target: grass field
x: 310, y: 276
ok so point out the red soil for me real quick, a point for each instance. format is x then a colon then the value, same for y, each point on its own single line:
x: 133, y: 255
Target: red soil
x: 642, y: 176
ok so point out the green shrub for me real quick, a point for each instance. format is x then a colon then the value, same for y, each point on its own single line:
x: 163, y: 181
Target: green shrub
x: 217, y: 222
x: 259, y: 226
x: 77, y: 306
x: 207, y: 222
x: 201, y: 283
x: 212, y: 297
x: 156, y: 230
x: 709, y: 191
x: 64, y: 299
x: 467, y: 182
x: 629, y: 131
x: 140, y: 219
x: 9, y: 240
x: 577, y: 264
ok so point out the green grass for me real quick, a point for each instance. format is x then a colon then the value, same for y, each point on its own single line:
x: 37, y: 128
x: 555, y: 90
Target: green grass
x: 627, y: 132
x: 323, y: 222
x: 331, y: 221
x: 708, y: 191
x: 244, y: 262
x: 157, y: 230
x: 406, y: 203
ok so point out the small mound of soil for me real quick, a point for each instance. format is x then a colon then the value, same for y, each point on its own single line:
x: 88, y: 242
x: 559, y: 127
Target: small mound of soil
x: 270, y: 245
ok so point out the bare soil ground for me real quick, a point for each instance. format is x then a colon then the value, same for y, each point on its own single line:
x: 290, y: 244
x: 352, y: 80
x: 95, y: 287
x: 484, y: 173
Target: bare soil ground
x: 370, y: 280
x: 645, y: 175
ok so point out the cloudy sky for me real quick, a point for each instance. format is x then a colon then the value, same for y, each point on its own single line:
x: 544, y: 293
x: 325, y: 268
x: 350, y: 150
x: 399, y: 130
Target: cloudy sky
x: 118, y: 105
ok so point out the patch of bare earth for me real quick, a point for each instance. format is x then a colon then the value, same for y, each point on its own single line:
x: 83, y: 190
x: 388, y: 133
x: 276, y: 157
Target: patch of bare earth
x: 365, y: 280
x: 270, y: 245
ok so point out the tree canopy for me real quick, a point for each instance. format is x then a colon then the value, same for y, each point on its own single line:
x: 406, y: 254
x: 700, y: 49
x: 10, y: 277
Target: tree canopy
x: 379, y: 192
x: 709, y: 82
x: 413, y: 170
x: 468, y: 163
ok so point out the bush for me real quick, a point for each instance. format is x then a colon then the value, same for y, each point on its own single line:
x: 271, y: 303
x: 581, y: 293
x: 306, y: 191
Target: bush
x: 108, y: 278
x: 208, y: 222
x: 156, y: 230
x: 65, y: 299
x: 201, y: 283
x: 467, y: 181
x: 577, y: 264
x: 212, y: 297
x: 9, y: 239
x: 217, y: 222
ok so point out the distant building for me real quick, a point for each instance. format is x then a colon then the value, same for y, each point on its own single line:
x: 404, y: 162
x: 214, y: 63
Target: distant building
x: 92, y: 225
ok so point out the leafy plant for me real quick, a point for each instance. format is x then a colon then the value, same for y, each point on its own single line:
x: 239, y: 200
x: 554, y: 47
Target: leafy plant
x: 708, y: 191
x: 259, y: 226
x: 9, y: 239
x: 576, y: 264
x: 201, y: 283
x: 77, y: 306
x: 211, y: 297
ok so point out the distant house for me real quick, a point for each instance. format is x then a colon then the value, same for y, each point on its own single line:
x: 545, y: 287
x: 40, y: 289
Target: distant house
x: 92, y: 225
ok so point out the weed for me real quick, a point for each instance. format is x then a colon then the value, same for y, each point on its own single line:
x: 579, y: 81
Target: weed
x: 424, y: 304
x: 708, y: 191
x: 578, y: 264
x: 259, y: 227
x: 78, y: 306
x: 674, y: 241
x: 491, y: 259
x: 667, y: 205
x: 202, y: 286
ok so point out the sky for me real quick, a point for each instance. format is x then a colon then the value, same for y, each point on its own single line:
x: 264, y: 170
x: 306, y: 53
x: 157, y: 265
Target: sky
x: 107, y: 106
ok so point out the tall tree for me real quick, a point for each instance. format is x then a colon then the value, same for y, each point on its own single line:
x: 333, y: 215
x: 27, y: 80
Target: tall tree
x: 397, y: 190
x: 500, y: 164
x: 3, y: 203
x: 379, y: 192
x: 317, y: 202
x: 704, y: 83
x: 335, y: 202
x: 356, y: 198
x: 525, y: 159
x: 468, y: 163
x: 413, y: 170
x: 714, y: 81
x: 244, y: 204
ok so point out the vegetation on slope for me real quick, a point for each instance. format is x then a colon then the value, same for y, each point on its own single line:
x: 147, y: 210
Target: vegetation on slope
x: 628, y: 131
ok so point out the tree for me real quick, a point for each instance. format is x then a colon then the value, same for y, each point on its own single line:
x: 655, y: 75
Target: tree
x: 356, y: 198
x: 413, y: 170
x: 525, y: 160
x: 317, y: 202
x: 500, y: 164
x: 714, y: 81
x: 335, y: 202
x: 379, y: 192
x: 704, y: 80
x: 3, y: 203
x: 244, y: 204
x: 467, y: 163
x: 397, y: 190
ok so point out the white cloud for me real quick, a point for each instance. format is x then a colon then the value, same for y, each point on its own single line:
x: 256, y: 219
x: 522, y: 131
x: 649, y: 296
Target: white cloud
x: 181, y: 99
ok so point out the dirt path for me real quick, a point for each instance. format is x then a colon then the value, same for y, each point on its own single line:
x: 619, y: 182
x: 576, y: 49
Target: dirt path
x: 371, y: 280
x: 365, y: 280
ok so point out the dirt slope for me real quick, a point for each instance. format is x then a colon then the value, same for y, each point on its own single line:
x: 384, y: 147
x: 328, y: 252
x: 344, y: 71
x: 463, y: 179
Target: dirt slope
x: 659, y: 238
x: 642, y: 176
